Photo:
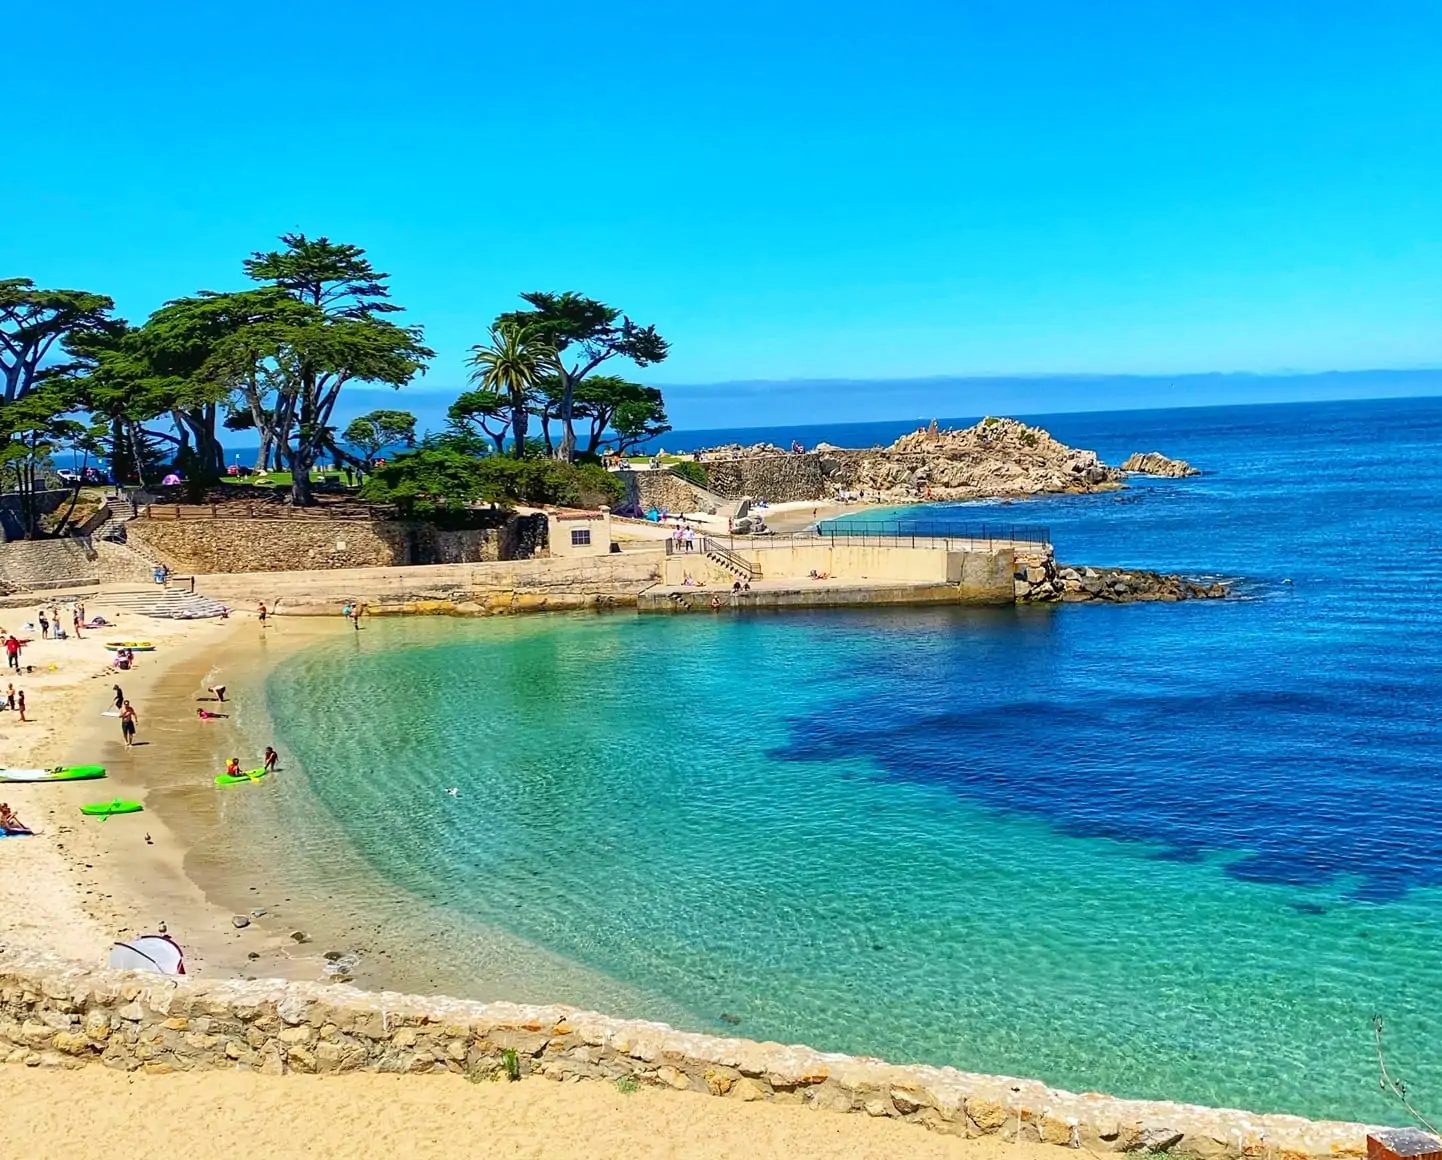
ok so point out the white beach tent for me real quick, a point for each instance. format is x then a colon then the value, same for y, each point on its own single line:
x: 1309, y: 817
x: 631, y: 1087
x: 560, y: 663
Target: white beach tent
x: 149, y: 952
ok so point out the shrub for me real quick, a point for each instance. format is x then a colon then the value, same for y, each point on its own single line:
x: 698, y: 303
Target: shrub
x: 692, y: 472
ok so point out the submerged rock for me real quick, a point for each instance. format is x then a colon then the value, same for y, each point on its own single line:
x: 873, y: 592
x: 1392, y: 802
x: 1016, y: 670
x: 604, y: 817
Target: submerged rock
x: 1155, y: 463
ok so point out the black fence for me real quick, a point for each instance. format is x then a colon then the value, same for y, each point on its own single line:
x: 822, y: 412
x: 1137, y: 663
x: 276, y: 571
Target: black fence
x: 919, y: 531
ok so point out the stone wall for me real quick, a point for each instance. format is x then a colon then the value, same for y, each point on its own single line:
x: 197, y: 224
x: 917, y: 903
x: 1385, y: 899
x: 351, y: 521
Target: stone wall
x: 303, y: 544
x: 463, y: 589
x: 46, y: 502
x: 54, y: 1014
x: 774, y: 478
x: 48, y: 563
x: 666, y: 491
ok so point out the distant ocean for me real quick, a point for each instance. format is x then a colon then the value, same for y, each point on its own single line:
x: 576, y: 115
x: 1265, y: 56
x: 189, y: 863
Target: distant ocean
x: 1177, y: 851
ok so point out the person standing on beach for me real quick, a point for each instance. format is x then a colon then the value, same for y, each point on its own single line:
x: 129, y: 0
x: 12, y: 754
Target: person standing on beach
x: 272, y: 758
x: 44, y: 625
x: 262, y: 614
x: 355, y: 615
x: 119, y: 697
x: 20, y: 703
x: 77, y: 624
x: 128, y: 722
x: 10, y: 698
x: 12, y: 652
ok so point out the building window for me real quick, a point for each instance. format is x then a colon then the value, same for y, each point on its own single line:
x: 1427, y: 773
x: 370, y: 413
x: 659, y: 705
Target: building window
x: 580, y: 537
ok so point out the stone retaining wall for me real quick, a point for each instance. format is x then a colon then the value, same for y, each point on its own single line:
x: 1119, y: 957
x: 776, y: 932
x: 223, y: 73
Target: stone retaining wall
x: 544, y: 584
x: 774, y: 478
x: 301, y: 544
x: 55, y: 1014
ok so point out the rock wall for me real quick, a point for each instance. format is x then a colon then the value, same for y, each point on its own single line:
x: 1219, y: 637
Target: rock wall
x: 778, y: 478
x: 665, y: 491
x: 302, y: 544
x: 54, y: 1014
x: 51, y: 563
x: 460, y: 589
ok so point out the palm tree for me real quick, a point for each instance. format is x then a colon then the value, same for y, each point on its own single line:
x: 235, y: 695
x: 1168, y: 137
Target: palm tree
x: 509, y: 365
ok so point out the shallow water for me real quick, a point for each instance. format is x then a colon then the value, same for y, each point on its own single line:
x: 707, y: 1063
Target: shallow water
x: 1182, y: 851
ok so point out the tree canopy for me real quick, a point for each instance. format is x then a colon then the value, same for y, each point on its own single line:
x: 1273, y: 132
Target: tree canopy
x: 593, y: 333
x: 377, y: 430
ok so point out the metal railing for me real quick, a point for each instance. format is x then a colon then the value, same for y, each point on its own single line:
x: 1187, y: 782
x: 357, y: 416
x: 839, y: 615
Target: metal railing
x: 731, y: 559
x: 884, y: 533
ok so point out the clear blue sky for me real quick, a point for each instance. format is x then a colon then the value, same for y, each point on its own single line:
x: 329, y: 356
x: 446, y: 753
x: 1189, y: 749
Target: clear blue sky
x: 788, y: 190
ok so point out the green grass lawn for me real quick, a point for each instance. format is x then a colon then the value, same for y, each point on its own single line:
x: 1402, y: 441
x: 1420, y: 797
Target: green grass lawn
x: 277, y: 478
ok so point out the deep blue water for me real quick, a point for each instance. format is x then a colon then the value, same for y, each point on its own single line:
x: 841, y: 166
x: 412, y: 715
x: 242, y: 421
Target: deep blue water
x: 1182, y: 851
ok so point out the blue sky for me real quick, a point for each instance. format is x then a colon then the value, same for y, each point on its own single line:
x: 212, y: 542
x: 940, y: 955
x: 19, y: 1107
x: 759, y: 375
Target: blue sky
x: 807, y: 191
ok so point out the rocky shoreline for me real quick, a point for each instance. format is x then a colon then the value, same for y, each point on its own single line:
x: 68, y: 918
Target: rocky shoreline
x: 1040, y: 580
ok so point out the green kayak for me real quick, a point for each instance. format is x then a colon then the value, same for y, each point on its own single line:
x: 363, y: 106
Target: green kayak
x: 242, y: 779
x: 105, y: 809
x: 55, y: 773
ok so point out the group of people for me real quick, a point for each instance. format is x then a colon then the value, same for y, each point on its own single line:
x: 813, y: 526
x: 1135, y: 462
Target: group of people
x: 683, y: 538
x: 14, y: 701
x: 52, y: 627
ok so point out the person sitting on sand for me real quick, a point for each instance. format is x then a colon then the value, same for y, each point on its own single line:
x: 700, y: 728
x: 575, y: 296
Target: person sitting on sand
x: 272, y: 759
x: 10, y: 823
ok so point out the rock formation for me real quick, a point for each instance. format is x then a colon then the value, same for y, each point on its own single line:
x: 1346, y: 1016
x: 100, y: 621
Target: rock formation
x: 1155, y: 463
x: 996, y: 457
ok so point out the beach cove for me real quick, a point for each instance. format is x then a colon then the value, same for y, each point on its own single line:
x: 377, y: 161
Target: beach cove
x: 644, y: 829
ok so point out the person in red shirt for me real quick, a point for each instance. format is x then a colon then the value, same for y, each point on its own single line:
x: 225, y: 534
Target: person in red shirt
x: 12, y: 652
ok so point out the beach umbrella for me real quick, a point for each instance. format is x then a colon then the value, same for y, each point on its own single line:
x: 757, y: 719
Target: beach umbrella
x: 150, y: 952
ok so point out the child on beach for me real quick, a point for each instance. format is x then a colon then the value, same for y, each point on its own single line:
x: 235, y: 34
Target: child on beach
x: 207, y: 715
x: 271, y: 759
x: 44, y: 625
x: 119, y: 697
x: 20, y: 703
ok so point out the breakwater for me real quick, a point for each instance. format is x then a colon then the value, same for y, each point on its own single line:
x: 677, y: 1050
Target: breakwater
x: 58, y: 1014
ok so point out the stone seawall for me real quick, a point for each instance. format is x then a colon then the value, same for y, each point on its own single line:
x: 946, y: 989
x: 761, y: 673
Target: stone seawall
x: 539, y: 585
x: 301, y: 544
x: 56, y: 1014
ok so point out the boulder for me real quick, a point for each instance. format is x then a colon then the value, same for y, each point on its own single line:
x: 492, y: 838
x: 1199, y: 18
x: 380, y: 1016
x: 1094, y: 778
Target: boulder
x: 1155, y: 463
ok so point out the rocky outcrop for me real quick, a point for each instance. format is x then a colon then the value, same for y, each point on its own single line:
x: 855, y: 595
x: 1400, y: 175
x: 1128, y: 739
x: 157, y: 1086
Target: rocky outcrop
x: 1124, y: 585
x: 996, y: 457
x: 1155, y: 463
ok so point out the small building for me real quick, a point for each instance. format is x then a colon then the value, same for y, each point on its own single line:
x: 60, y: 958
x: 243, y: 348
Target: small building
x: 574, y: 532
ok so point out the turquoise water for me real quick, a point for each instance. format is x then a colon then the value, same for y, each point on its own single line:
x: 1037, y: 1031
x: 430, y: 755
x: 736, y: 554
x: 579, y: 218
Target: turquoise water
x: 1173, y: 851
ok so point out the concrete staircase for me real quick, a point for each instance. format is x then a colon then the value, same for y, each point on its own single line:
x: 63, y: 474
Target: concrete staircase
x: 164, y: 603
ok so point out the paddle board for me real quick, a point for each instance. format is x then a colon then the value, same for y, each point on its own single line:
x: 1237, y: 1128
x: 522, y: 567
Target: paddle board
x: 227, y: 779
x: 105, y: 809
x: 58, y: 773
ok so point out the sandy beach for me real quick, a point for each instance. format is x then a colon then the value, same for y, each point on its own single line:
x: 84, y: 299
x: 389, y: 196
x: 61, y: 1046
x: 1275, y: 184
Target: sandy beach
x: 218, y: 1116
x: 82, y: 883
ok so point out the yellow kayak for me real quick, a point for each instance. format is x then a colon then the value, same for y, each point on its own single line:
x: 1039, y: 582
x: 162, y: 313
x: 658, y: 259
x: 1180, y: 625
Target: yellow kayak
x: 132, y: 645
